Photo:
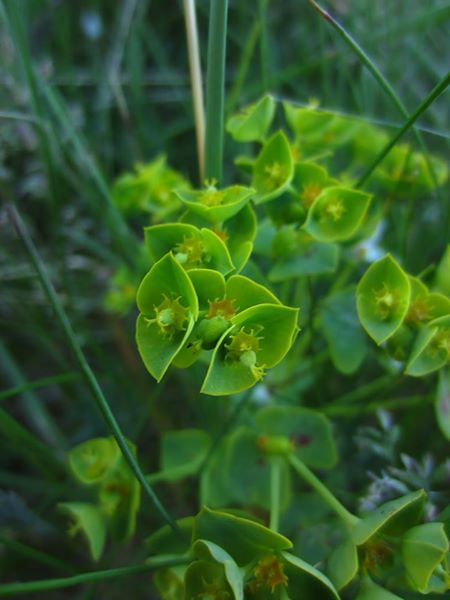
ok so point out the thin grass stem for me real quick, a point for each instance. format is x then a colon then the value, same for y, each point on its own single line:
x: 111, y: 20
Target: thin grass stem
x: 89, y: 376
x: 215, y: 90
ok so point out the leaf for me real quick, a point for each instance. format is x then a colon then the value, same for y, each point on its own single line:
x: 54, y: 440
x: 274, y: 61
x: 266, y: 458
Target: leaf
x: 442, y: 276
x: 431, y: 350
x: 216, y: 205
x: 91, y: 461
x: 423, y: 549
x: 442, y: 403
x: 208, y: 284
x: 206, y: 550
x: 310, y: 258
x: 259, y: 338
x: 336, y: 214
x: 167, y: 541
x: 342, y: 564
x: 205, y: 578
x: 309, y: 431
x: 215, y: 490
x: 168, y: 304
x: 273, y: 169
x: 306, y: 579
x: 239, y: 233
x: 371, y: 591
x: 382, y: 298
x: 246, y: 462
x: 182, y: 453
x: 253, y: 122
x: 90, y: 521
x: 243, y: 539
x: 391, y: 518
x: 247, y: 293
x: 342, y: 330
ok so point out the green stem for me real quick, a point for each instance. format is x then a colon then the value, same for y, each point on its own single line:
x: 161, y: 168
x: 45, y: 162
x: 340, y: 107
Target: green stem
x: 12, y: 589
x: 91, y: 380
x: 275, y: 483
x: 349, y: 519
x: 37, y: 383
x: 215, y: 89
x: 36, y: 555
x: 435, y: 92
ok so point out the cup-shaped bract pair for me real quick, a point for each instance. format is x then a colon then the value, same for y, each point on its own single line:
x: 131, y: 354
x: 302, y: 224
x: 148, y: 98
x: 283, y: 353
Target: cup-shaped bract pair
x: 150, y: 188
x: 250, y: 561
x: 395, y: 307
x: 369, y: 547
x: 99, y: 463
x: 273, y: 168
x: 252, y: 123
x: 184, y: 313
x: 190, y: 246
x: 216, y: 205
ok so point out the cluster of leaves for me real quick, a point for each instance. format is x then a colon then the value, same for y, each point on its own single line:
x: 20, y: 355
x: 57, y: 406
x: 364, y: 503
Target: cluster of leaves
x: 218, y: 292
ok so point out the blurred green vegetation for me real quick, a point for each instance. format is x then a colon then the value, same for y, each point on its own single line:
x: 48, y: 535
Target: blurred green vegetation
x: 87, y: 89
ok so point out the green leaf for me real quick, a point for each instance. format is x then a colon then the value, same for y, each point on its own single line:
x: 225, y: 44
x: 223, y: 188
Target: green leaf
x: 243, y: 539
x: 442, y: 403
x: 273, y: 169
x: 239, y: 232
x: 382, y: 298
x: 431, y: 350
x: 167, y: 541
x: 253, y: 122
x: 182, y: 453
x: 371, y: 591
x: 168, y: 304
x: 342, y: 330
x: 342, y: 564
x: 310, y: 258
x: 208, y: 284
x: 206, y: 550
x: 306, y: 580
x: 91, y: 461
x: 336, y: 214
x: 423, y: 549
x: 192, y: 247
x: 246, y: 462
x: 216, y: 205
x: 391, y: 518
x: 119, y: 498
x: 309, y: 431
x: 88, y: 519
x: 247, y: 293
x: 259, y: 338
x: 205, y: 579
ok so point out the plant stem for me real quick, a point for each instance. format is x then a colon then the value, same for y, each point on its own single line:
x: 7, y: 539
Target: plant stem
x: 275, y: 482
x: 196, y: 82
x: 349, y: 519
x: 12, y: 589
x: 38, y: 383
x: 435, y: 92
x: 215, y: 89
x: 91, y: 380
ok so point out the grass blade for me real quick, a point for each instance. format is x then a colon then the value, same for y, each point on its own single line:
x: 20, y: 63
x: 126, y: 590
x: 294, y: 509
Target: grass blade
x: 91, y: 380
x: 435, y: 92
x: 36, y: 384
x: 13, y: 589
x: 215, y: 90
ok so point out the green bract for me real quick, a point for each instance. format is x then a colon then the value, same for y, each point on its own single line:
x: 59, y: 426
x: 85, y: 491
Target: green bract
x: 431, y: 349
x: 169, y: 307
x: 336, y: 214
x: 252, y: 123
x: 91, y: 461
x: 216, y: 205
x: 382, y: 298
x: 273, y: 169
x: 258, y: 339
x: 90, y: 520
x: 150, y: 189
x: 190, y: 246
x: 424, y: 547
x: 442, y: 403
